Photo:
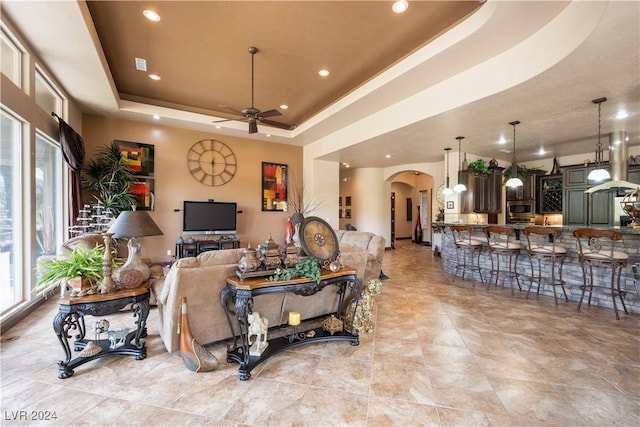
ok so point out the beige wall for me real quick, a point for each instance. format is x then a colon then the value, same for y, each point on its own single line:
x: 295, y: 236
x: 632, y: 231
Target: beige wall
x: 174, y: 183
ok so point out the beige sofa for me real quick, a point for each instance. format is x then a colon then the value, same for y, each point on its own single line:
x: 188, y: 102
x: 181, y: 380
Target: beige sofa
x: 201, y: 279
x: 372, y: 244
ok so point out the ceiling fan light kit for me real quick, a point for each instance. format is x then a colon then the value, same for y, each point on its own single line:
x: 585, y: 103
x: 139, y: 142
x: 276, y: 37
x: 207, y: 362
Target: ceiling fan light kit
x: 252, y: 114
x: 514, y: 181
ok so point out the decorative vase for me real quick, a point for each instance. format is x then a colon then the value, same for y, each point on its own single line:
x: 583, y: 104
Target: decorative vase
x: 418, y: 230
x: 134, y: 271
x: 288, y: 235
x: 194, y: 355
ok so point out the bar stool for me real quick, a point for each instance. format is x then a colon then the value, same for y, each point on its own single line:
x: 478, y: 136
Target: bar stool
x: 501, y: 244
x: 597, y: 249
x: 542, y: 246
x: 466, y: 247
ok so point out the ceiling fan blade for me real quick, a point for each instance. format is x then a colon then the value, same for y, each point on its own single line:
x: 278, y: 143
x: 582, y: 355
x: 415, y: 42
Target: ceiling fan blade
x: 276, y: 124
x: 269, y: 113
x: 222, y: 121
x: 253, y: 127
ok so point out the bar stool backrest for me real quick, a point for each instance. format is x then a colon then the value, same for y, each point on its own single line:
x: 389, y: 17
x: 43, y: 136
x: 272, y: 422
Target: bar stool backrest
x: 597, y: 241
x: 498, y: 234
x: 541, y: 237
x: 461, y: 233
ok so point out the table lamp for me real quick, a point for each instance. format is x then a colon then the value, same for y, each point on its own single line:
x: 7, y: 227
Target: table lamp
x: 133, y: 224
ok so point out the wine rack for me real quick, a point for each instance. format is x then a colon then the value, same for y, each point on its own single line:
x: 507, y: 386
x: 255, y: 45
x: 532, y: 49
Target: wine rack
x: 550, y: 196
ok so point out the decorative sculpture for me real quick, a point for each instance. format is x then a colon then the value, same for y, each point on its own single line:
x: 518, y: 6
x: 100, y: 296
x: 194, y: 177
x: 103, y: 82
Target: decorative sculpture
x: 117, y: 338
x: 257, y: 327
x: 195, y: 357
x: 360, y: 318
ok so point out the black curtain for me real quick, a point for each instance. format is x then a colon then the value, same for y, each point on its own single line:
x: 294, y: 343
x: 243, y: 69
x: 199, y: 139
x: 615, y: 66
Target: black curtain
x: 73, y: 152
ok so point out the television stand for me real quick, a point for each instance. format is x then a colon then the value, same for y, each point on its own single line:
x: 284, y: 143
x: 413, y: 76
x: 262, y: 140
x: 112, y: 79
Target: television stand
x: 195, y: 248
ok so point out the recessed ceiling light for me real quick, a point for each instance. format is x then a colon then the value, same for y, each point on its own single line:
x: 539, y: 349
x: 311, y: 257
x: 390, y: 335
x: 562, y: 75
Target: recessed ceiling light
x: 151, y: 15
x: 622, y: 114
x: 388, y: 156
x: 268, y: 135
x: 284, y: 106
x: 154, y: 77
x: 156, y: 117
x: 400, y: 6
x: 502, y: 140
x: 541, y: 151
x: 218, y: 127
x: 323, y: 73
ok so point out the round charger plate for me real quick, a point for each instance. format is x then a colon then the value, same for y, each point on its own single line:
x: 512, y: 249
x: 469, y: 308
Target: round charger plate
x: 318, y: 239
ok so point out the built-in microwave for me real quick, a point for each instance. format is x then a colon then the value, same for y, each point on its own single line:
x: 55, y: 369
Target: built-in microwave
x: 518, y: 210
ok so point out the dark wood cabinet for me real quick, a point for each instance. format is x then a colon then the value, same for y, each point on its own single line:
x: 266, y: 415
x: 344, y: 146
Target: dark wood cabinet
x: 589, y: 209
x: 528, y: 188
x: 484, y: 192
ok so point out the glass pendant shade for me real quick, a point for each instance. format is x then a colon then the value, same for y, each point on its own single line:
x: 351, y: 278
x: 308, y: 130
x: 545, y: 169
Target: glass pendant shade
x: 459, y: 187
x: 599, y: 175
x: 514, y: 182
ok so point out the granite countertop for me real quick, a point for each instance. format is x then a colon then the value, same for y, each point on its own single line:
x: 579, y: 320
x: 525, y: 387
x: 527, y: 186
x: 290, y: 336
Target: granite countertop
x: 564, y: 228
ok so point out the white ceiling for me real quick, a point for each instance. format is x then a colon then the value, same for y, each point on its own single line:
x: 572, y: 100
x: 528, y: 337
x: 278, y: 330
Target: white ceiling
x: 538, y: 62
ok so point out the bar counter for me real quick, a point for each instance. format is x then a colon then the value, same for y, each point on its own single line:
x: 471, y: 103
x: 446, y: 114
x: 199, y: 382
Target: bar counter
x: 571, y: 272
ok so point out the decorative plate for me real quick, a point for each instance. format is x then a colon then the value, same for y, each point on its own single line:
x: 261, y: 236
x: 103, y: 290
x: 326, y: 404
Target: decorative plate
x: 318, y: 240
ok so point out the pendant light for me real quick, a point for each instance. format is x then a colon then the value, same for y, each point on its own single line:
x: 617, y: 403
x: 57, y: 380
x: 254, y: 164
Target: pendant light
x: 459, y: 187
x: 599, y: 173
x: 447, y: 191
x: 514, y: 181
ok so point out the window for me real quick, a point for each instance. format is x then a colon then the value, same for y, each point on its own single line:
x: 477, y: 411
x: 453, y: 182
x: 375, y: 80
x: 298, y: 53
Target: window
x: 11, y: 290
x: 47, y: 96
x: 48, y: 186
x: 11, y: 58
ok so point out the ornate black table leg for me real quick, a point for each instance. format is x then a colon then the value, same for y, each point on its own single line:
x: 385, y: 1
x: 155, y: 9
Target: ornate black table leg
x: 62, y: 324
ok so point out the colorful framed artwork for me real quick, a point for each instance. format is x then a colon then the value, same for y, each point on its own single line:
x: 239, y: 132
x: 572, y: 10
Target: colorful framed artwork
x: 274, y: 187
x: 142, y: 190
x: 139, y: 158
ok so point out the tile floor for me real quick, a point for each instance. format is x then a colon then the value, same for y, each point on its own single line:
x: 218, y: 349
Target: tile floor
x: 441, y: 354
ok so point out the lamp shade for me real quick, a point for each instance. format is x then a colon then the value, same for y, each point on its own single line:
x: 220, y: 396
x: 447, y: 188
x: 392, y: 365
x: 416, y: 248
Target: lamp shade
x: 134, y: 224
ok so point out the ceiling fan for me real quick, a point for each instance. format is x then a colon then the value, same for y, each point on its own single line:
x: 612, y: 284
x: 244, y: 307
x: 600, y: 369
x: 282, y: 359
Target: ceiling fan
x: 252, y: 114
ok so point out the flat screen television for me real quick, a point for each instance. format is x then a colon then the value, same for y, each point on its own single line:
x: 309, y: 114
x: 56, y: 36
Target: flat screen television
x: 209, y: 217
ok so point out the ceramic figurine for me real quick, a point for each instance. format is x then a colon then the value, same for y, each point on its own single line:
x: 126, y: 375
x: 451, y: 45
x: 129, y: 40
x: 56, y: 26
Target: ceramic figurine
x: 258, y: 327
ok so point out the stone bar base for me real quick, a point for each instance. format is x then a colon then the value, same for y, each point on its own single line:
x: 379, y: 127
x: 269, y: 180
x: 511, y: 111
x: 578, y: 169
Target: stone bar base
x: 571, y: 272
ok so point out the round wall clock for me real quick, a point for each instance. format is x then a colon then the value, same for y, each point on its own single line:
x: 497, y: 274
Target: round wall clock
x: 211, y: 162
x: 318, y: 240
x: 440, y: 194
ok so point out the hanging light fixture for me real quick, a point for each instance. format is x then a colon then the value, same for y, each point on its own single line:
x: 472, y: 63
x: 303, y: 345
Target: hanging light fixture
x: 459, y: 187
x: 514, y: 181
x: 599, y: 173
x: 447, y: 191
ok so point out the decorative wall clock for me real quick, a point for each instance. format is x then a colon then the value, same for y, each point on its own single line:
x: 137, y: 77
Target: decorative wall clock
x: 440, y: 194
x: 211, y: 162
x: 318, y: 240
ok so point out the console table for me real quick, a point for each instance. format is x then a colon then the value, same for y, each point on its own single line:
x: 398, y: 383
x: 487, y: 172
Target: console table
x: 70, y: 317
x: 237, y: 301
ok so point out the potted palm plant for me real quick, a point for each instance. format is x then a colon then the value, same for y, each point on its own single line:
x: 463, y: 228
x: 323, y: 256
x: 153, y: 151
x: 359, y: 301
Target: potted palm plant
x: 109, y: 178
